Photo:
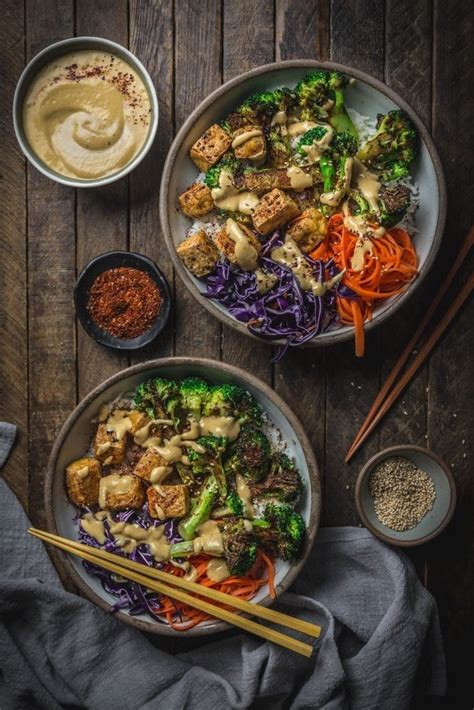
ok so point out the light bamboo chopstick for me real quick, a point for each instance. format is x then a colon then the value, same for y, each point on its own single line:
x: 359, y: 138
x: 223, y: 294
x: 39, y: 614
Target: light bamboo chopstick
x: 466, y: 246
x: 418, y: 361
x: 101, y: 558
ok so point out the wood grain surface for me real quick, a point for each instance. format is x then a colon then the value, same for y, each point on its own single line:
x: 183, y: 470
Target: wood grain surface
x: 421, y: 48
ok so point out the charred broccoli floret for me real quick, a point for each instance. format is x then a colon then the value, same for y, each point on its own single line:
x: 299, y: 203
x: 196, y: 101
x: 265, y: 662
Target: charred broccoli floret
x: 335, y: 169
x: 233, y: 401
x: 321, y: 94
x: 205, y: 458
x: 260, y: 107
x: 279, y: 147
x: 159, y: 398
x: 194, y: 393
x: 392, y: 205
x: 394, y: 146
x: 283, y: 482
x: 250, y: 455
x: 282, y: 531
x: 313, y: 92
x: 202, y: 510
x: 314, y: 135
x: 227, y: 163
x: 339, y: 117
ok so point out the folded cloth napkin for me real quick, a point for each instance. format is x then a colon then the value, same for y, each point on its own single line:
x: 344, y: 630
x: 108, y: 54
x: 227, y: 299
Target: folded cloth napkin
x: 380, y: 638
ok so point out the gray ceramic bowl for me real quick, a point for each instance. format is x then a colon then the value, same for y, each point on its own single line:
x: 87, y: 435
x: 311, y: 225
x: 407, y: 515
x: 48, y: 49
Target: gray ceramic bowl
x: 56, y: 50
x: 74, y: 438
x: 434, y: 521
x: 368, y: 96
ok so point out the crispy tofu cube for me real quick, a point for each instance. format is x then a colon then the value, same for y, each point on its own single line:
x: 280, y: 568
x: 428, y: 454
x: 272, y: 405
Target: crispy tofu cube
x: 138, y: 419
x: 308, y: 229
x: 249, y: 143
x: 106, y: 448
x: 82, y: 481
x: 168, y: 501
x: 273, y: 210
x: 210, y: 147
x: 150, y: 460
x: 196, y: 201
x: 198, y: 254
x: 262, y: 181
x: 226, y: 245
x: 120, y: 492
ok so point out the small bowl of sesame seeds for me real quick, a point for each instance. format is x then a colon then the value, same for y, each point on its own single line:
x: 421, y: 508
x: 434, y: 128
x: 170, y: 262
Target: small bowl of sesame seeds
x: 405, y: 495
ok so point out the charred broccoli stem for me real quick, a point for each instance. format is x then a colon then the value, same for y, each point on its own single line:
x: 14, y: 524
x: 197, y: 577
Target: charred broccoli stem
x: 339, y: 117
x: 233, y: 401
x: 250, y: 455
x: 283, y: 482
x: 334, y: 167
x: 279, y: 147
x: 394, y: 146
x: 208, y: 460
x: 282, y: 531
x: 202, y: 510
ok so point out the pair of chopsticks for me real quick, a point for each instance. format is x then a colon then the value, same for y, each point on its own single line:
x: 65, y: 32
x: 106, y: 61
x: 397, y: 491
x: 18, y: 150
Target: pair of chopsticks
x: 170, y: 585
x: 387, y: 396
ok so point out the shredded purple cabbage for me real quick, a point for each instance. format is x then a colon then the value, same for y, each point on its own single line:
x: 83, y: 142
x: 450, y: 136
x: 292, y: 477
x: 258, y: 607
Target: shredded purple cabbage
x: 286, y: 311
x: 129, y: 595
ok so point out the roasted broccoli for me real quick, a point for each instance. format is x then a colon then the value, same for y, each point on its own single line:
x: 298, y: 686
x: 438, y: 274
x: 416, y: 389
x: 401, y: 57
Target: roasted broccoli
x: 336, y: 168
x: 338, y: 116
x: 283, y: 482
x: 392, y: 205
x: 313, y: 93
x: 194, y: 393
x: 250, y: 455
x: 202, y: 510
x: 282, y: 531
x: 391, y: 150
x: 261, y: 107
x: 205, y: 458
x: 279, y: 147
x: 321, y: 94
x: 233, y: 401
x: 159, y: 398
x: 233, y: 507
x: 228, y: 163
x: 314, y: 135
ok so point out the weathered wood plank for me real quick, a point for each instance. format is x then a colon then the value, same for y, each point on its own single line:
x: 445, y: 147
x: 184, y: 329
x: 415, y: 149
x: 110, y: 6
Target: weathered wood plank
x: 450, y: 376
x: 155, y: 50
x: 300, y: 378
x: 198, y: 27
x: 357, y: 31
x: 242, y: 22
x: 13, y: 321
x: 102, y: 214
x: 51, y: 274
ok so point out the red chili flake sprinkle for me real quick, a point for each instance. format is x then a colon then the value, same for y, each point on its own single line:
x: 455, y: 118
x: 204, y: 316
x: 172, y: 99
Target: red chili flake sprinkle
x: 125, y: 302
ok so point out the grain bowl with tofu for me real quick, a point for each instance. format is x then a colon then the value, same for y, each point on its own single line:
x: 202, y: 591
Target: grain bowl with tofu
x: 192, y: 477
x: 293, y: 210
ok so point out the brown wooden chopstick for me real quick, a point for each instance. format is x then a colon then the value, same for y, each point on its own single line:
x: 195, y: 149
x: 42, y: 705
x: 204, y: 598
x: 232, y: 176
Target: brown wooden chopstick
x: 149, y: 578
x: 415, y: 365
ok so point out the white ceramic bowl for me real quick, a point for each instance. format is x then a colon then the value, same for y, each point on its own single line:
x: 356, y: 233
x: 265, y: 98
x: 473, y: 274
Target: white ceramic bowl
x: 74, y: 439
x: 368, y: 96
x: 56, y: 50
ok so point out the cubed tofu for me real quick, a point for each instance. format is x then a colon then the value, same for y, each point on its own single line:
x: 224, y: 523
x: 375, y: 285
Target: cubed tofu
x: 196, y: 201
x: 262, y: 181
x: 150, y: 460
x: 198, y: 254
x: 308, y: 229
x: 138, y: 419
x: 168, y: 501
x: 210, y: 147
x: 121, y: 492
x: 273, y: 210
x: 226, y: 245
x: 248, y: 143
x: 82, y: 481
x: 106, y: 448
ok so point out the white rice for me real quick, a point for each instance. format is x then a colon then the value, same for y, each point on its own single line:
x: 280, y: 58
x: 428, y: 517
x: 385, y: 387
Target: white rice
x: 365, y: 124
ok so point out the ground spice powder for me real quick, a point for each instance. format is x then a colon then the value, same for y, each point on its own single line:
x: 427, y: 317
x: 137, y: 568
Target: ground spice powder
x: 125, y: 302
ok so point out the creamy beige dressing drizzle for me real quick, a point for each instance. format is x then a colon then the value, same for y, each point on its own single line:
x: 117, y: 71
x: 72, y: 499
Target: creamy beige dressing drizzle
x: 114, y: 484
x: 209, y: 539
x: 279, y: 119
x: 93, y: 527
x: 299, y: 127
x: 245, y: 253
x: 217, y: 570
x: 171, y: 450
x: 227, y: 197
x: 265, y: 281
x: 357, y: 224
x: 245, y: 136
x: 220, y: 426
x: 191, y: 574
x: 82, y: 473
x: 290, y: 255
x: 159, y: 473
x: 243, y: 491
x: 119, y: 423
x: 299, y: 180
x: 335, y: 196
x: 315, y: 151
x: 129, y: 535
x: 141, y: 435
x: 103, y: 413
x: 367, y: 183
x: 103, y: 448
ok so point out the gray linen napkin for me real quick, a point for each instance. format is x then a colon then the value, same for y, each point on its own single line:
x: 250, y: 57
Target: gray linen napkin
x: 380, y: 636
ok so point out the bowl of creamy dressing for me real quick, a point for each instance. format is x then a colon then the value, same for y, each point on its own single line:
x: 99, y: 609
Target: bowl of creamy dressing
x: 85, y: 111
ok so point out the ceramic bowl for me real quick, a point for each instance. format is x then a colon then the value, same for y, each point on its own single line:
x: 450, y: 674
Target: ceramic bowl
x: 56, y: 50
x: 113, y: 260
x: 368, y: 96
x: 434, y: 521
x: 74, y: 439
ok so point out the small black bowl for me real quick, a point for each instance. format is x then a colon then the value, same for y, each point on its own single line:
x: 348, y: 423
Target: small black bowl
x: 113, y: 260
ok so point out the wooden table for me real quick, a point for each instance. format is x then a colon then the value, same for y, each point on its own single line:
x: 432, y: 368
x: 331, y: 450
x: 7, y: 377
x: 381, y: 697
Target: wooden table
x: 423, y: 50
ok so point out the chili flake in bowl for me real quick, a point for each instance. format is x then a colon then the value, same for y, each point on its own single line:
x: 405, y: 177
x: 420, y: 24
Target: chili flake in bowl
x: 122, y: 300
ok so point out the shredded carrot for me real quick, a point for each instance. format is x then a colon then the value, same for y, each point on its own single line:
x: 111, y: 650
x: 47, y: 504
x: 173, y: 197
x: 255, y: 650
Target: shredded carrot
x: 388, y: 268
x: 182, y: 616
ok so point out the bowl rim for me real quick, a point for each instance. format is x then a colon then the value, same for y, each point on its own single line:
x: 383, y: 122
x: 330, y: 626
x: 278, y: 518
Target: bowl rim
x: 40, y: 59
x: 159, y: 278
x: 367, y: 469
x: 225, y: 368
x: 328, y: 338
